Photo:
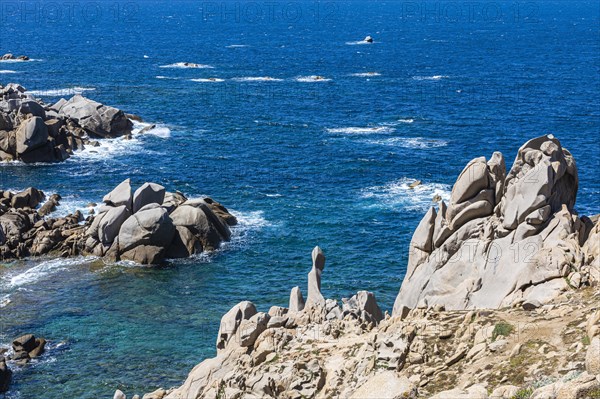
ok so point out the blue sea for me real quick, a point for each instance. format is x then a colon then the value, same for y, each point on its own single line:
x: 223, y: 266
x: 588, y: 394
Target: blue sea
x: 301, y: 160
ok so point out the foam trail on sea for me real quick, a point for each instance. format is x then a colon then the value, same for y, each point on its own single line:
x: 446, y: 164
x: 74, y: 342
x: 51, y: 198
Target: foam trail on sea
x: 208, y: 80
x: 410, y: 142
x: 187, y: 65
x: 237, y: 46
x: 312, y: 78
x: 365, y: 74
x: 398, y: 195
x: 41, y: 271
x: 358, y: 43
x: 361, y: 130
x: 434, y: 77
x: 257, y: 79
x: 61, y: 92
x: 7, y: 71
x: 17, y: 60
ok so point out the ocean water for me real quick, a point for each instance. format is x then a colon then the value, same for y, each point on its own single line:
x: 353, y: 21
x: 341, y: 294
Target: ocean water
x: 308, y: 134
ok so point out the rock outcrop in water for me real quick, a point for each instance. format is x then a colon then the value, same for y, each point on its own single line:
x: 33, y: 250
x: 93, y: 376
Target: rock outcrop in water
x: 504, y: 239
x: 31, y: 131
x: 433, y: 346
x: 145, y: 226
x: 24, y: 349
x: 11, y: 57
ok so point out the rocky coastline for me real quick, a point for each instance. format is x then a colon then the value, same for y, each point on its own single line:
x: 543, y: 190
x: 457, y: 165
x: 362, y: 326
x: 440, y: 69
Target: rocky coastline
x: 467, y: 322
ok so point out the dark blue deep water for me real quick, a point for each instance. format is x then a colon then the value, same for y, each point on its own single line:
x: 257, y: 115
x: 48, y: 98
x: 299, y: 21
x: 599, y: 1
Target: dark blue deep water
x: 301, y: 163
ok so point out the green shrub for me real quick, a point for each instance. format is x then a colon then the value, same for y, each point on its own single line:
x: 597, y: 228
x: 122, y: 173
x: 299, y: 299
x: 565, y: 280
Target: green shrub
x: 523, y: 393
x: 501, y: 329
x: 585, y: 340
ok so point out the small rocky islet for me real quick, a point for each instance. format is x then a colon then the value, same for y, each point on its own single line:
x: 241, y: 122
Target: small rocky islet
x: 471, y: 320
x: 145, y: 226
x: 32, y: 131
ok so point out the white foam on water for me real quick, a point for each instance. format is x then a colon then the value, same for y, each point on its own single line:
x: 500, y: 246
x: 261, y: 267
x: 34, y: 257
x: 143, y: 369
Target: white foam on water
x: 208, y: 80
x: 41, y: 271
x: 399, y: 195
x: 145, y: 56
x: 17, y: 60
x: 159, y: 130
x: 358, y: 43
x: 7, y: 71
x: 237, y: 46
x: 69, y: 204
x: 434, y: 77
x: 248, y: 222
x: 365, y: 74
x: 61, y: 92
x: 5, y: 300
x: 408, y: 120
x: 187, y: 65
x: 312, y: 78
x: 361, y: 130
x: 257, y: 79
x: 166, y: 77
x: 410, y: 142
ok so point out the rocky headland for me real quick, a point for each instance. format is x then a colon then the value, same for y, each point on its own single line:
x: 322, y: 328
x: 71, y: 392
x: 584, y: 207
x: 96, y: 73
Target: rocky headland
x: 32, y: 131
x: 500, y: 300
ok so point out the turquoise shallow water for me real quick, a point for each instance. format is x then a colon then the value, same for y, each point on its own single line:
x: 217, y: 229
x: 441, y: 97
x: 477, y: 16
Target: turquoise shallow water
x: 301, y: 163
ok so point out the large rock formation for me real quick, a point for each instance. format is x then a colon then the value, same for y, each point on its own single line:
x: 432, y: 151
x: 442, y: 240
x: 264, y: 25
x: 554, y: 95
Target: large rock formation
x: 504, y: 239
x: 144, y: 227
x: 427, y: 353
x: 31, y: 131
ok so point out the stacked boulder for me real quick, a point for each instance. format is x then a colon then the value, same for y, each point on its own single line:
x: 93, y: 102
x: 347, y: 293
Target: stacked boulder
x: 504, y: 239
x: 150, y: 224
x: 31, y: 131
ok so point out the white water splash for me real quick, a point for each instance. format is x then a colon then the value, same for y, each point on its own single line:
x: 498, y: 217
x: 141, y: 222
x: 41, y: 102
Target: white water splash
x: 70, y: 91
x: 361, y: 130
x: 399, y: 195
